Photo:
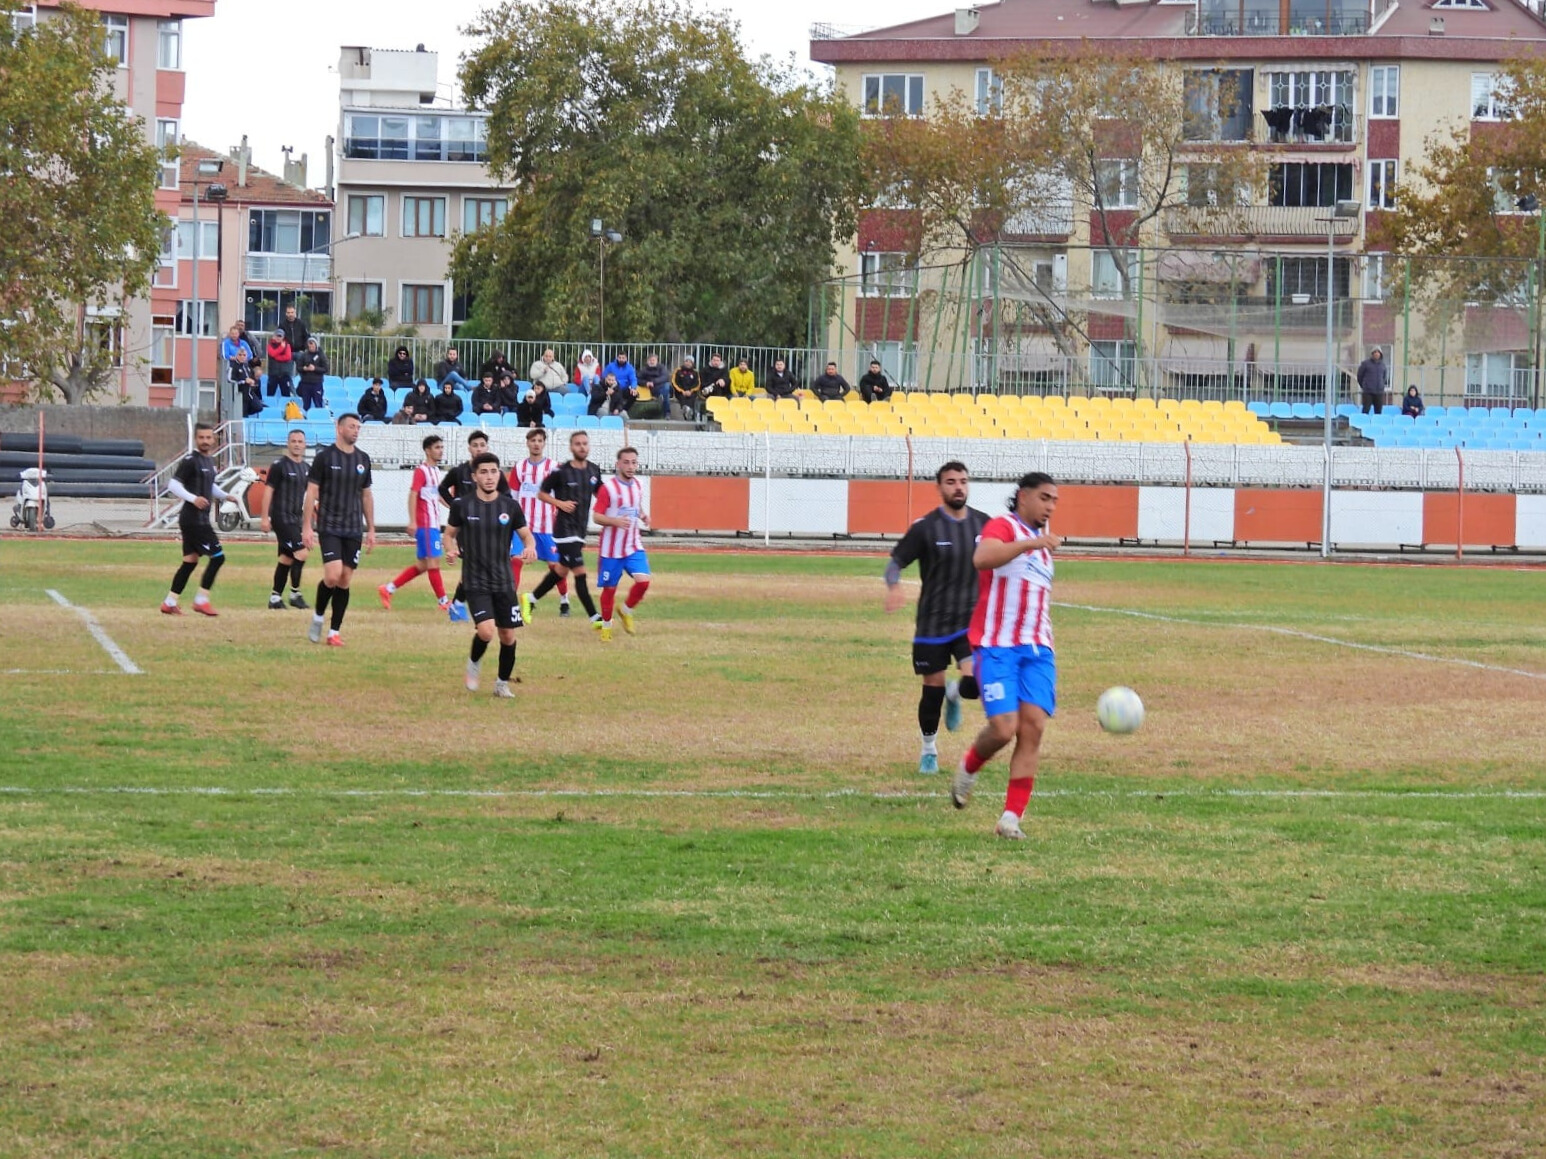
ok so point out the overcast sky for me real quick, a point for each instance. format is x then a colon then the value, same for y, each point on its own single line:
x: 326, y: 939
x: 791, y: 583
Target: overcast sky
x: 268, y: 68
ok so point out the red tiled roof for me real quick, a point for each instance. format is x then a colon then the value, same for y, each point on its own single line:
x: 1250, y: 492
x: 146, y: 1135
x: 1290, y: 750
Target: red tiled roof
x: 262, y: 188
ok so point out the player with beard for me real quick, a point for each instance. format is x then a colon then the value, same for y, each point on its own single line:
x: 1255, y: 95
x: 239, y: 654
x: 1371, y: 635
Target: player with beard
x: 570, y: 488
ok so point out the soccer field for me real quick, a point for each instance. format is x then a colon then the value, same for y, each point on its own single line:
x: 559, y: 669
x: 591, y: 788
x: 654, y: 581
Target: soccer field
x: 687, y: 895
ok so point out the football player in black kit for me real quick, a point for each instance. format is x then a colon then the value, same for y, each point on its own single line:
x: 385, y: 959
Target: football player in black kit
x: 194, y: 483
x: 338, y: 496
x: 282, y: 515
x: 480, y: 527
x: 942, y: 543
x: 458, y: 481
x: 571, y: 488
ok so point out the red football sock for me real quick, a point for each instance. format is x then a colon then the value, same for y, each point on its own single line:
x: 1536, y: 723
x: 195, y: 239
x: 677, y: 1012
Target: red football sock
x: 636, y: 594
x: 563, y: 587
x: 608, y: 602
x: 972, y: 761
x: 407, y: 574
x: 438, y: 584
x: 515, y: 571
x: 1019, y: 795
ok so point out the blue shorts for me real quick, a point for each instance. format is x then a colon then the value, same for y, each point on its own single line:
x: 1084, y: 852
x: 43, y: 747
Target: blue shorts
x: 547, y: 551
x: 636, y: 564
x: 1010, y: 677
x: 427, y: 545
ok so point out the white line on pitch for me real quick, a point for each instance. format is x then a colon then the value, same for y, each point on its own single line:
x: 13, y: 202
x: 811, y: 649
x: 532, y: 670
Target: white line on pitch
x: 101, y: 637
x: 1298, y: 635
x: 55, y: 672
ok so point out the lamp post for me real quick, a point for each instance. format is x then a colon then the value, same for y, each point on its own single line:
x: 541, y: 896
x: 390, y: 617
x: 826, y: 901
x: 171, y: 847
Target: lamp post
x: 1530, y: 203
x: 602, y: 237
x: 208, y: 167
x: 1342, y: 211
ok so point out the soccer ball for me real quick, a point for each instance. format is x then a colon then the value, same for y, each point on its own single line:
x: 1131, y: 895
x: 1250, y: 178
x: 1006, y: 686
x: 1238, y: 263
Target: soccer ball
x: 1119, y: 710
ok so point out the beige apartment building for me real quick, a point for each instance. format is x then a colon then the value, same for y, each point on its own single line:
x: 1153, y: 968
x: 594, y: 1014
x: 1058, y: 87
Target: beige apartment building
x: 411, y: 176
x: 1338, y: 97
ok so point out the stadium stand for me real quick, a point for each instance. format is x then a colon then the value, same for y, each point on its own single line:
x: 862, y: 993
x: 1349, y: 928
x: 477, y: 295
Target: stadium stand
x: 1470, y: 428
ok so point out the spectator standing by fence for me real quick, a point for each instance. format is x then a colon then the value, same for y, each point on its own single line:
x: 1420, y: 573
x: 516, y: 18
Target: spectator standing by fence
x: 295, y: 331
x: 313, y: 368
x: 281, y: 364
x: 1373, y: 381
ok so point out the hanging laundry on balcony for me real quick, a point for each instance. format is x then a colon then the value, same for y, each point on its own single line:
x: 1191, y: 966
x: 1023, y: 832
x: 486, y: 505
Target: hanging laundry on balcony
x: 1280, y: 119
x: 1315, y: 122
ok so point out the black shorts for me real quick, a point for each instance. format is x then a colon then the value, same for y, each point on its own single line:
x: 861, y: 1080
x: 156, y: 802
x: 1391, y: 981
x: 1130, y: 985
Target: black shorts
x: 199, y: 539
x: 289, y: 537
x: 336, y: 547
x: 497, y: 606
x: 571, y: 554
x: 931, y: 658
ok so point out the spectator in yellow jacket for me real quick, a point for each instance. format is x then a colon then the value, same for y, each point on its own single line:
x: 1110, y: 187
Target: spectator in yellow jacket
x: 742, y: 381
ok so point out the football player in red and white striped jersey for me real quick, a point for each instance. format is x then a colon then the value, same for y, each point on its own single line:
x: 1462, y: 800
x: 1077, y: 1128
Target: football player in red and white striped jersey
x: 426, y: 512
x: 526, y: 482
x: 619, y: 511
x: 1011, y: 637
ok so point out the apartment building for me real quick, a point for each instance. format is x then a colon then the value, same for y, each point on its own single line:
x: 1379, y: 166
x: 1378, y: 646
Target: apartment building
x: 144, y: 38
x: 411, y: 175
x: 261, y: 243
x: 1336, y: 96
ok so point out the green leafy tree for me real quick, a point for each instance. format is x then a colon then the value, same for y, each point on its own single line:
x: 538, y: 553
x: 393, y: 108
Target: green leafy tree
x: 731, y: 179
x: 78, y: 198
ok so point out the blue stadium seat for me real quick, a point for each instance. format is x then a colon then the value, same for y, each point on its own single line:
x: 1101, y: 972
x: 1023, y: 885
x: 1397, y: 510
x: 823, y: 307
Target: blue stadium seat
x: 1302, y: 410
x: 1434, y: 412
x: 1259, y: 409
x: 612, y: 423
x: 1280, y: 410
x: 319, y: 414
x: 329, y: 381
x: 1390, y: 410
x: 1346, y: 409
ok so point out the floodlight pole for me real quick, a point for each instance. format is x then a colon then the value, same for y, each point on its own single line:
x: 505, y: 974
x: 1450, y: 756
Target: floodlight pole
x: 1341, y: 211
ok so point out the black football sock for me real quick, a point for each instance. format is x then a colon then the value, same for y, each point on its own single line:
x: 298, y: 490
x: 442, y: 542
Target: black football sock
x: 216, y: 562
x: 582, y: 589
x: 184, y: 573
x: 324, y: 594
x: 929, y: 706
x: 280, y: 571
x: 969, y: 689
x: 295, y: 574
x: 479, y: 646
x: 459, y: 596
x: 549, y: 582
x: 340, y: 606
x: 506, y: 660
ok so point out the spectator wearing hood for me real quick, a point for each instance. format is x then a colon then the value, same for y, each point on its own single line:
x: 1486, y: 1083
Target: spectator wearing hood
x: 587, y: 371
x: 536, y: 406
x: 312, y: 364
x: 400, y: 372
x: 373, y: 404
x: 420, y: 403
x: 622, y: 370
x: 550, y: 373
x: 448, y: 404
x: 716, y: 379
x: 449, y: 369
x: 281, y: 364
x: 496, y: 366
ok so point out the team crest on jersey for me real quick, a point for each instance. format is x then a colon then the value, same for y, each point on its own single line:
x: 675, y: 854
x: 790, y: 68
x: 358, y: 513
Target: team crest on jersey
x: 504, y: 518
x: 359, y: 468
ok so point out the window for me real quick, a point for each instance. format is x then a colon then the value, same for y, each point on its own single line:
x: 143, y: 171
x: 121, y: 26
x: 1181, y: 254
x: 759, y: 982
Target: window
x: 1117, y: 182
x: 1507, y: 192
x: 1106, y: 273
x: 1490, y: 97
x: 24, y: 17
x: 1376, y: 277
x: 169, y: 44
x: 1219, y: 104
x: 209, y: 318
x: 893, y: 94
x: 1501, y: 375
x: 367, y: 215
x: 885, y: 275
x: 466, y: 139
x: 1466, y: 5
x: 1382, y: 185
x: 116, y: 39
x: 424, y: 217
x: 1113, y: 365
x: 378, y: 137
x: 161, y: 338
x: 1304, y: 279
x: 1384, y: 90
x: 362, y: 298
x: 104, y: 329
x: 1207, y: 187
x: 288, y: 231
x: 423, y: 305
x: 166, y: 260
x: 264, y: 307
x: 1314, y: 105
x: 478, y: 212
x: 1297, y: 184
x: 166, y: 142
x: 208, y: 239
x: 990, y: 93
x: 427, y: 145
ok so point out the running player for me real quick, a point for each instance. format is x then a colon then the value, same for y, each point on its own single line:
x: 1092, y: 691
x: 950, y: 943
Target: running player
x: 282, y: 514
x: 1012, y: 634
x: 526, y: 481
x: 620, y: 512
x: 424, y: 519
x: 570, y: 488
x: 458, y: 481
x: 194, y: 483
x: 481, y: 528
x: 941, y: 543
x: 339, y: 501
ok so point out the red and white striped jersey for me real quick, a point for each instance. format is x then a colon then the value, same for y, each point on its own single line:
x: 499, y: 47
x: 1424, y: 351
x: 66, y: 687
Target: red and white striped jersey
x: 1014, y: 602
x: 622, y: 500
x: 428, y: 512
x: 526, y: 481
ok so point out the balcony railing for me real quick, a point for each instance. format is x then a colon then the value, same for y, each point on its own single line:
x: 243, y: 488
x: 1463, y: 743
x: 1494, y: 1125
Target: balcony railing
x: 1269, y: 24
x: 289, y: 268
x: 1258, y: 221
x: 1040, y: 221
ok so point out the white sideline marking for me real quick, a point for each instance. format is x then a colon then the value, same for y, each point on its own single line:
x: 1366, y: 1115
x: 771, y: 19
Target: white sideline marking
x: 101, y: 637
x: 1277, y: 631
x: 55, y: 672
x: 757, y: 794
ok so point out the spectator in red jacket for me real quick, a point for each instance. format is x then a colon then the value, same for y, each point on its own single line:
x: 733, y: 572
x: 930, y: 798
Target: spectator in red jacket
x: 281, y: 364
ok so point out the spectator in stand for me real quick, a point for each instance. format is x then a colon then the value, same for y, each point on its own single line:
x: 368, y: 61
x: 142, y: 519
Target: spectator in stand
x: 400, y: 372
x: 281, y: 364
x: 716, y: 379
x: 686, y: 388
x: 448, y: 404
x: 587, y: 372
x: 831, y: 386
x: 1373, y: 381
x: 231, y: 343
x: 496, y: 366
x: 373, y: 404
x: 245, y: 382
x: 550, y: 373
x: 449, y: 369
x: 295, y: 330
x: 743, y: 383
x: 509, y: 395
x: 420, y: 403
x: 485, y: 396
x: 1412, y: 403
x: 624, y: 398
x: 622, y: 370
x: 654, y: 378
x: 780, y: 383
x: 873, y: 386
x: 601, y: 395
x: 254, y: 354
x: 313, y: 368
x: 536, y: 407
